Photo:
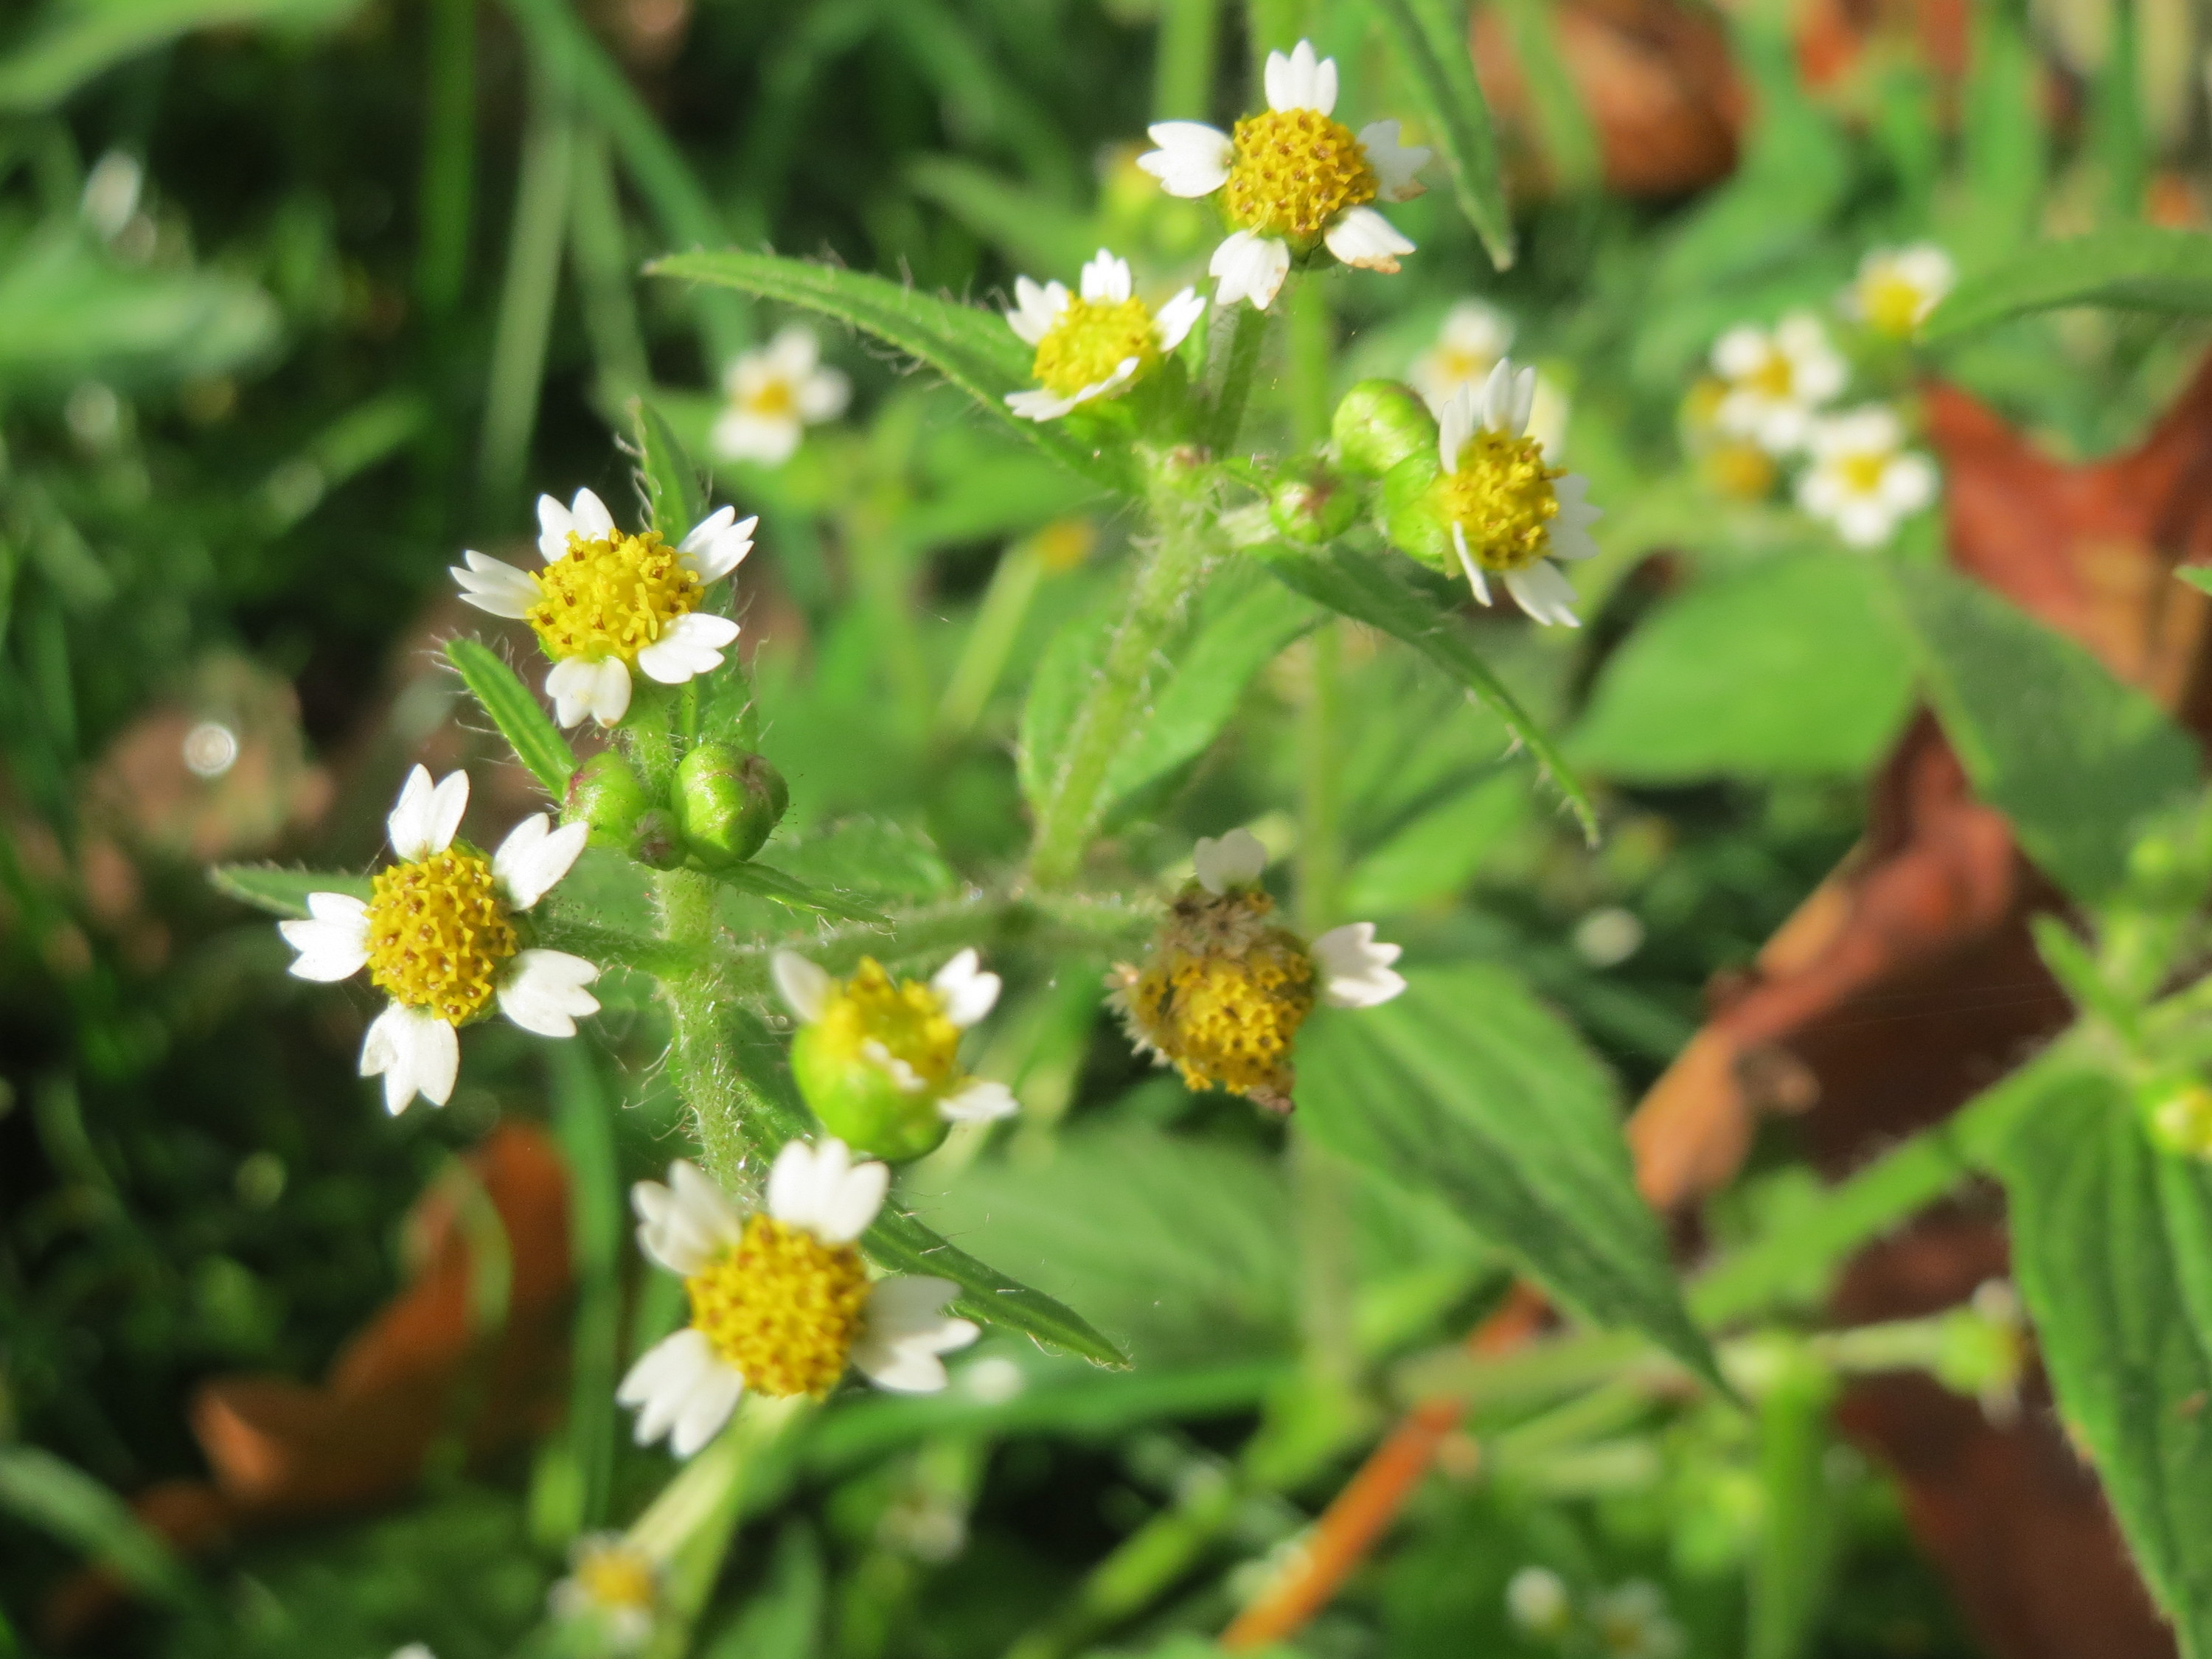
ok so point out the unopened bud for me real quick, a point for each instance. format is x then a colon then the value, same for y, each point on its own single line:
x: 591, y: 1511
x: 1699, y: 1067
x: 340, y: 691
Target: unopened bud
x: 1379, y: 424
x: 859, y: 1100
x: 606, y: 794
x: 2179, y: 1116
x: 1315, y: 506
x: 726, y: 801
x: 1411, y: 518
x: 653, y: 840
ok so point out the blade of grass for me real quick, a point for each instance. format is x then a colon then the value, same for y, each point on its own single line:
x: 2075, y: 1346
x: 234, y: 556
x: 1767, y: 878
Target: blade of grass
x: 525, y: 304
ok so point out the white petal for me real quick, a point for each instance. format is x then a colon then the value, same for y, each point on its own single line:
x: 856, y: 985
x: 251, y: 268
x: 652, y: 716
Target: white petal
x: 904, y: 1333
x: 1356, y: 969
x: 554, y: 523
x: 740, y: 435
x: 716, y: 545
x: 1036, y: 308
x: 823, y: 395
x: 332, y: 941
x: 1039, y: 405
x: 980, y: 1101
x: 425, y: 818
x: 687, y: 1224
x: 966, y: 991
x: 804, y: 987
x: 1298, y: 81
x: 1193, y: 159
x: 1543, y: 591
x: 1865, y: 522
x: 415, y: 1052
x: 592, y: 520
x: 580, y: 686
x: 713, y: 1398
x: 1741, y: 353
x: 1474, y: 577
x: 794, y: 351
x: 907, y: 1080
x: 543, y: 992
x: 1177, y: 317
x: 1360, y: 236
x: 1908, y: 483
x: 534, y: 856
x: 1395, y: 166
x: 1457, y: 421
x: 1106, y: 278
x: 1249, y: 266
x: 1235, y: 859
x: 494, y: 585
x: 679, y: 1382
x: 690, y: 646
x: 798, y: 1181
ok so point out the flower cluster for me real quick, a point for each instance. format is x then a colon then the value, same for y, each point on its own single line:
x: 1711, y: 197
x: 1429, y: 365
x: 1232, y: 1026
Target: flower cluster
x: 1222, y: 992
x: 1768, y: 401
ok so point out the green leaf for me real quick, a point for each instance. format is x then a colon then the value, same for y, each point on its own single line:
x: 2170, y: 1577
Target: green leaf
x: 1437, y: 853
x: 1034, y: 232
x: 672, y: 483
x: 1063, y: 674
x: 39, y: 1488
x: 537, y: 741
x: 1794, y: 667
x: 2110, y: 1244
x: 1465, y: 1088
x: 1367, y: 591
x: 2198, y: 576
x: 1429, y: 38
x: 2133, y: 267
x: 74, y: 41
x: 282, y: 892
x: 973, y: 349
x: 753, y: 876
x: 68, y: 311
x: 2073, y: 757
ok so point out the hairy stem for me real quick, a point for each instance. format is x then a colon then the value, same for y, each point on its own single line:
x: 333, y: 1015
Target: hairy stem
x: 1170, y: 570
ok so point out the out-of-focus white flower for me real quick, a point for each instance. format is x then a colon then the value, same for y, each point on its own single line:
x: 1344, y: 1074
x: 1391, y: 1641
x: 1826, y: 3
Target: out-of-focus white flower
x: 1630, y: 1622
x: 1863, y: 480
x: 1897, y: 287
x: 613, y: 1587
x: 774, y: 394
x: 1777, y: 380
x: 1536, y: 1601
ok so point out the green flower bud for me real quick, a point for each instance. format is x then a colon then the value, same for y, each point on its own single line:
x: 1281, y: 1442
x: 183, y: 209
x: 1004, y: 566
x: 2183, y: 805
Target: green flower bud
x: 1379, y: 424
x: 653, y: 840
x: 605, y: 794
x: 860, y: 1102
x: 727, y: 801
x: 1312, y: 508
x: 1411, y: 518
x: 2178, y: 1114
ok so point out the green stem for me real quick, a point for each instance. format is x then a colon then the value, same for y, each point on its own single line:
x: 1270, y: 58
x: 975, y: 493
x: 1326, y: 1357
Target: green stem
x: 1248, y: 334
x: 705, y: 1070
x: 1172, y: 570
x: 1309, y: 352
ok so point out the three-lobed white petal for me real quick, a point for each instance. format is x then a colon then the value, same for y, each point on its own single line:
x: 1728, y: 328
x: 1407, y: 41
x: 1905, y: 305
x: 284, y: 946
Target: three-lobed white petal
x: 821, y: 1189
x: 1235, y: 859
x: 1037, y: 307
x: 1172, y: 324
x: 690, y: 645
x: 1355, y: 969
x: 804, y: 985
x: 426, y: 816
x: 1106, y: 279
x: 967, y: 992
x: 688, y: 1224
x: 332, y: 940
x: 1301, y: 81
x: 1543, y: 590
x: 682, y: 1388
x: 534, y: 856
x: 1397, y: 165
x: 1363, y: 238
x: 415, y: 1052
x: 494, y: 585
x: 543, y: 992
x: 1193, y: 159
x: 903, y: 1331
x: 979, y: 1100
x: 1249, y: 266
x: 718, y: 543
x: 580, y: 686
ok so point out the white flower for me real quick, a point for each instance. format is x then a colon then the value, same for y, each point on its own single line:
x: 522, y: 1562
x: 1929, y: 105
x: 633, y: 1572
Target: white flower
x: 613, y: 1586
x: 607, y: 602
x: 780, y: 1300
x: 1473, y: 339
x: 1897, y: 287
x: 1510, y: 513
x: 1863, y: 479
x: 1776, y: 381
x: 774, y: 394
x: 1355, y: 971
x: 918, y: 1061
x: 1630, y: 1622
x: 1291, y: 179
x: 1093, y: 344
x: 465, y: 905
x: 1536, y: 1601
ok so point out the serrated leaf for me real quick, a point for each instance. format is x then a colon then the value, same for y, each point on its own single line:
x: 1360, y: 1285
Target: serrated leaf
x: 2132, y: 267
x: 753, y: 876
x: 1466, y: 1089
x: 1429, y: 38
x: 2110, y: 1240
x: 62, y: 1500
x: 1365, y: 589
x: 1794, y: 667
x: 2074, y: 759
x: 971, y: 347
x: 672, y: 483
x: 529, y: 731
x: 282, y: 892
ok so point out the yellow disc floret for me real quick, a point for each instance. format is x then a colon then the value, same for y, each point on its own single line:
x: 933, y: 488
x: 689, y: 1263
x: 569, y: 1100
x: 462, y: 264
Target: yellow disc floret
x: 1223, y: 994
x: 1293, y: 171
x: 614, y: 1577
x: 1093, y: 338
x: 1501, y: 495
x: 905, y: 1018
x: 782, y: 1307
x: 611, y: 597
x: 438, y: 933
x: 1894, y: 304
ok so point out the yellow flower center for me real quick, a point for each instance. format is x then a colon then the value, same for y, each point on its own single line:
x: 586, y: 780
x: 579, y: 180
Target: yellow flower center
x: 1457, y: 363
x: 1743, y: 471
x: 1224, y: 993
x: 1093, y: 338
x: 617, y: 1578
x: 773, y: 400
x: 906, y: 1016
x: 1293, y: 171
x: 1776, y: 377
x: 1501, y: 495
x: 437, y: 933
x: 613, y: 597
x: 1893, y: 305
x: 780, y: 1307
x: 1862, y: 474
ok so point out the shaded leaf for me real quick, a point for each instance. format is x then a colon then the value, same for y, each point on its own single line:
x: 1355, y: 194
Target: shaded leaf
x: 1466, y: 1089
x: 514, y: 709
x: 1429, y: 38
x: 753, y: 876
x: 2134, y: 267
x: 74, y: 41
x: 67, y: 312
x: 60, y: 1499
x: 1034, y: 232
x: 279, y: 891
x: 672, y: 483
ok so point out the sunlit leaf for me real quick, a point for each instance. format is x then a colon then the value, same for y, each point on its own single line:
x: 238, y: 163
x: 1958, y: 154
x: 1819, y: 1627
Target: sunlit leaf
x: 2132, y: 267
x: 514, y: 709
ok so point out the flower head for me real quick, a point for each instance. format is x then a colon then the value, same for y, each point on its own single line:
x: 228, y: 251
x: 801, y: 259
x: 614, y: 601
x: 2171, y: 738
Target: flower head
x: 878, y: 1059
x: 1222, y: 992
x: 780, y: 1300
x: 1291, y: 180
x: 441, y: 934
x: 1776, y: 381
x: 1897, y: 287
x: 1863, y: 479
x: 1536, y: 1601
x: 613, y: 1586
x: 1094, y: 343
x: 774, y: 394
x: 1508, y: 511
x: 609, y: 603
